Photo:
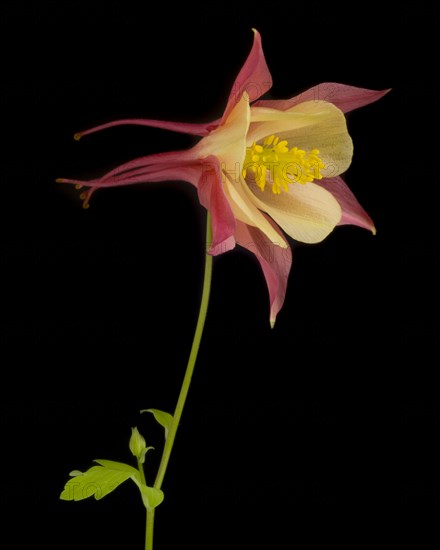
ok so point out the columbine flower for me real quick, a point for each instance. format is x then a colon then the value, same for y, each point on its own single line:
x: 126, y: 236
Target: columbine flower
x: 263, y: 166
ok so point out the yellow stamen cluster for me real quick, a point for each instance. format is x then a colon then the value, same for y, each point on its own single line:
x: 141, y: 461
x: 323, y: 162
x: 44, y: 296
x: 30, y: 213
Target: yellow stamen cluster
x: 276, y: 164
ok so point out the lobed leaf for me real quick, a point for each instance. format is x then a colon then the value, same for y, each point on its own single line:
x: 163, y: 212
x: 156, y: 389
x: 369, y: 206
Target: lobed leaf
x: 98, y: 481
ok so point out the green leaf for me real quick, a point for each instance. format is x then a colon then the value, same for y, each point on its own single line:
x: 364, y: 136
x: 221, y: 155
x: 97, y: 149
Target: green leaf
x: 151, y: 497
x: 163, y: 418
x: 120, y: 466
x: 98, y: 481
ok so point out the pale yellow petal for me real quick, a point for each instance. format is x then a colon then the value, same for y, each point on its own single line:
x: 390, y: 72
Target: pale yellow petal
x: 309, y: 125
x: 246, y: 211
x: 228, y: 141
x: 307, y: 213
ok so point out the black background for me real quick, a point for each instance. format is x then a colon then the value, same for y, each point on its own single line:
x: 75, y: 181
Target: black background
x: 322, y: 431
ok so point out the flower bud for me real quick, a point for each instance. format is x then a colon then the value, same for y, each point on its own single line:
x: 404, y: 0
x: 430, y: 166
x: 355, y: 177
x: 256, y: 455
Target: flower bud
x: 137, y: 445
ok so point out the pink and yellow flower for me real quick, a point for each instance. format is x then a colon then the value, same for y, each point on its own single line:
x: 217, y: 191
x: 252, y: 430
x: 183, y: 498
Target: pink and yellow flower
x: 265, y: 168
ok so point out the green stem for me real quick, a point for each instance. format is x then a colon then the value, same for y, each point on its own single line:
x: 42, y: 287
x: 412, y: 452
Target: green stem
x: 141, y: 472
x: 184, y: 389
x: 149, y: 530
x: 149, y: 522
x: 191, y: 363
